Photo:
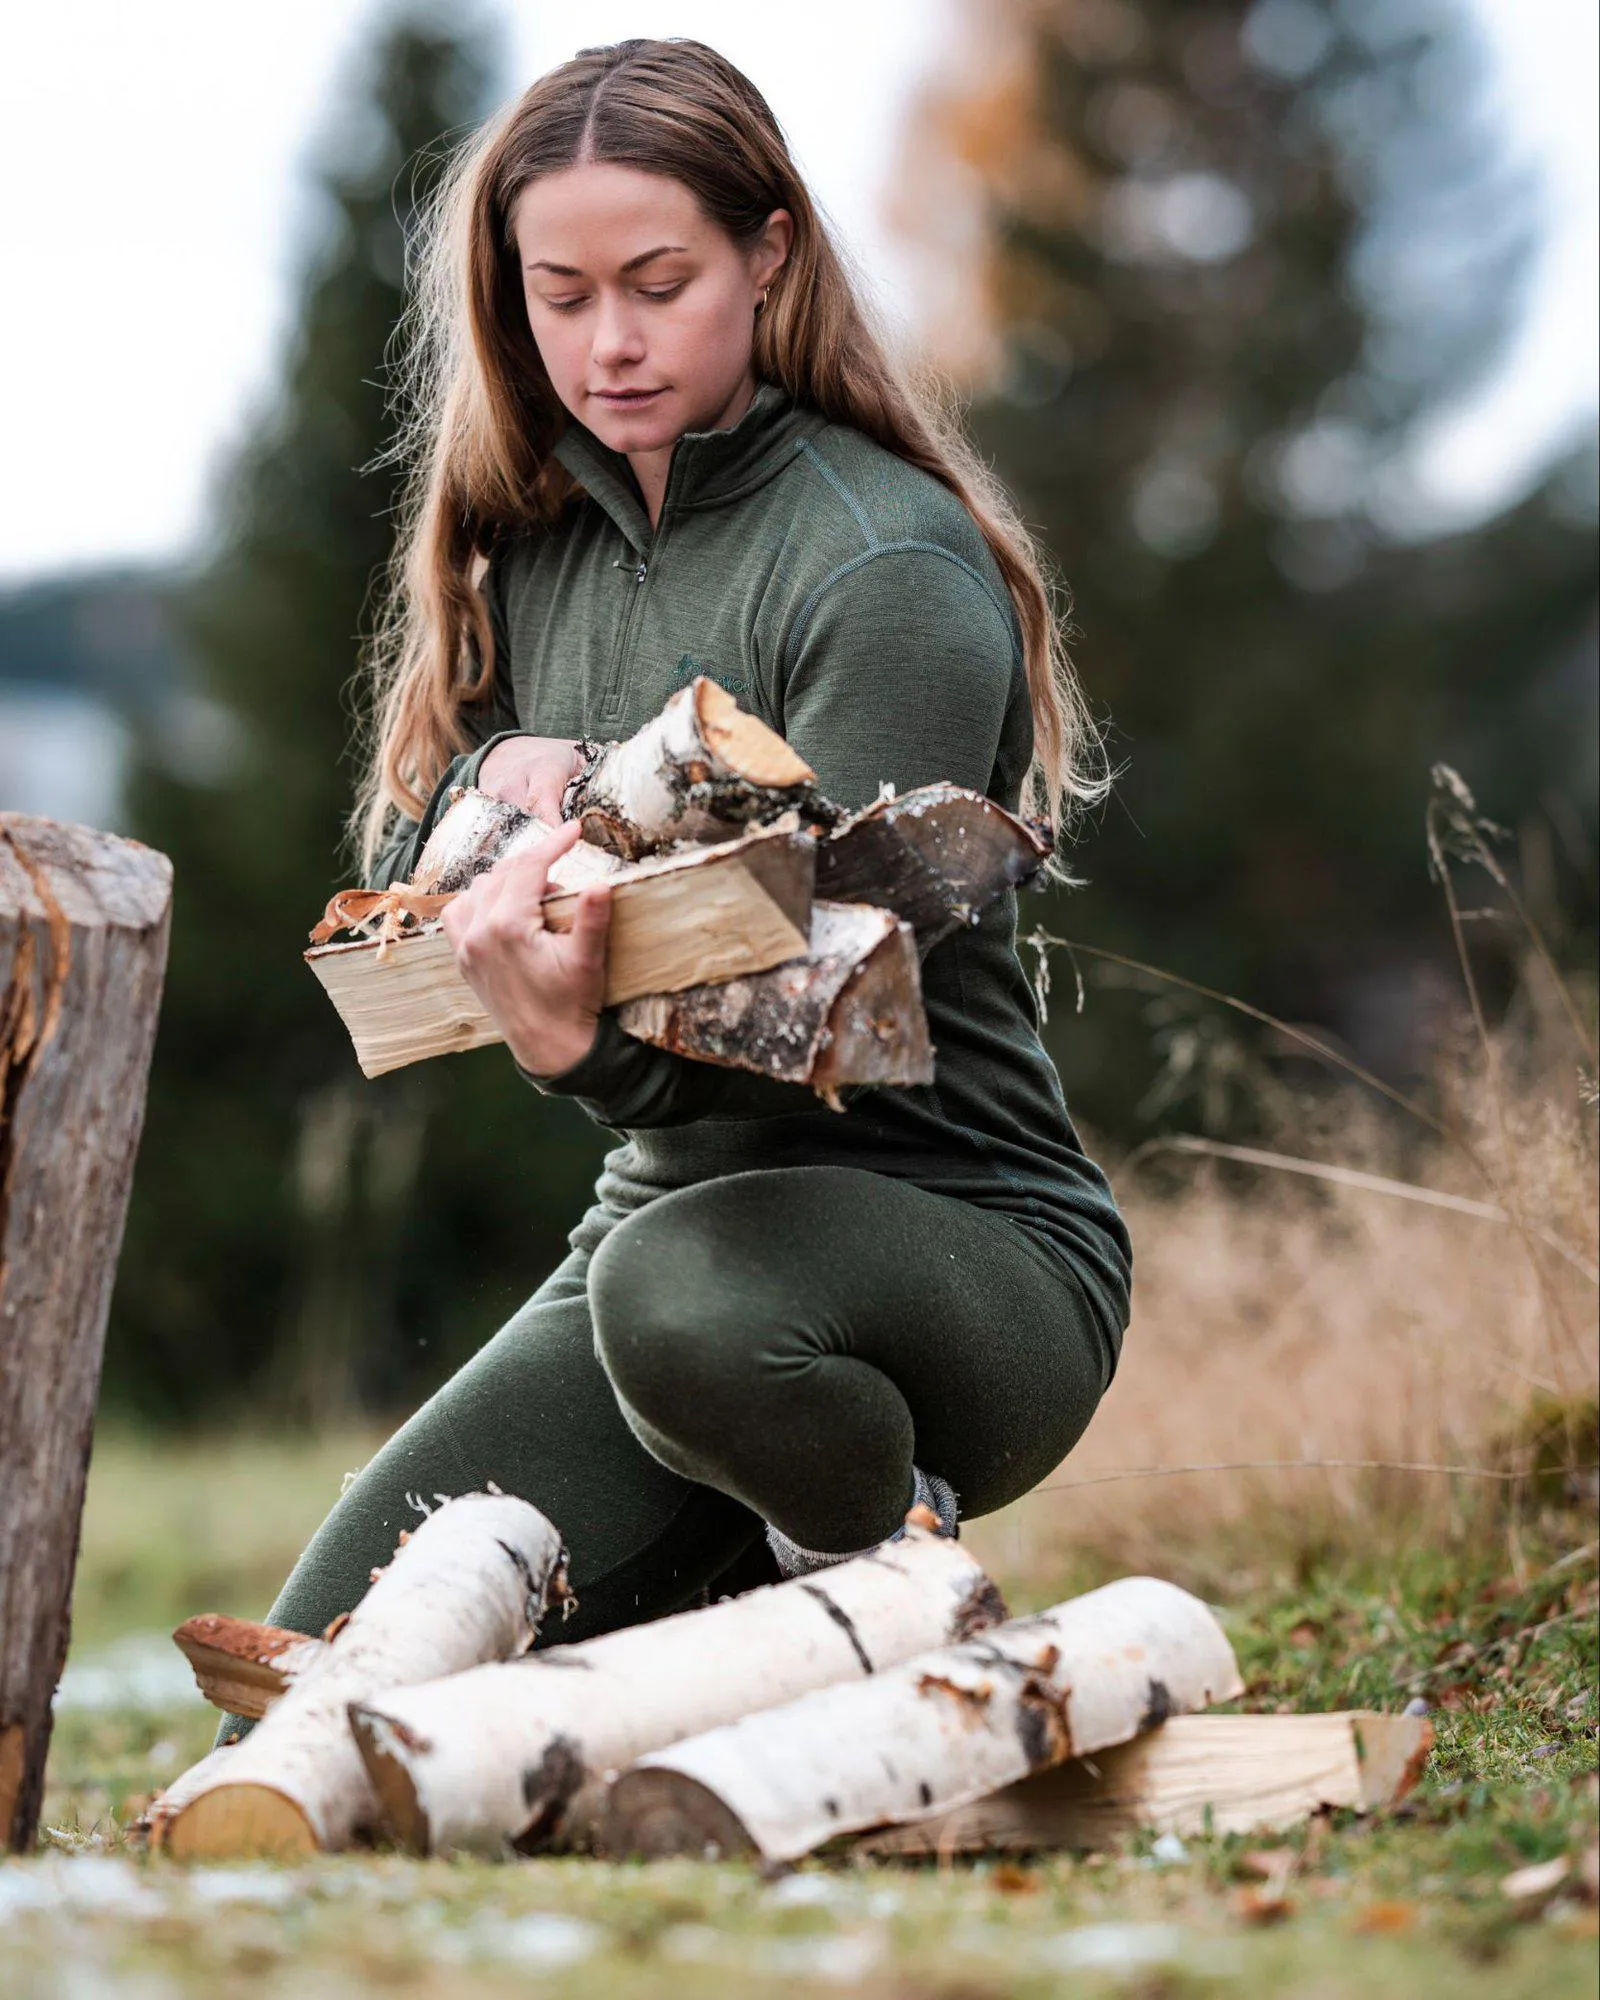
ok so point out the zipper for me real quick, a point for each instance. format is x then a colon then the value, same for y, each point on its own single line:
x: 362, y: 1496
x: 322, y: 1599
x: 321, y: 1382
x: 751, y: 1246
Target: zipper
x: 650, y: 557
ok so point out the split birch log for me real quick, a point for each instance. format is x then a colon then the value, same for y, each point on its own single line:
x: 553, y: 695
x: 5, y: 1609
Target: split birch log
x: 935, y: 856
x: 469, y: 1584
x: 83, y: 948
x: 241, y: 1667
x: 678, y: 920
x: 519, y: 1754
x: 849, y: 1012
x: 931, y: 1735
x: 700, y: 771
x: 475, y: 831
x: 1196, y: 1774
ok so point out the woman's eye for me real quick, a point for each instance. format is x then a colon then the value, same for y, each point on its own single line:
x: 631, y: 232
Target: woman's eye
x: 663, y: 291
x: 565, y: 305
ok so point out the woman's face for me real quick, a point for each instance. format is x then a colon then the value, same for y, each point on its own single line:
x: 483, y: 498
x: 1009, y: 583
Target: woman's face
x: 642, y: 308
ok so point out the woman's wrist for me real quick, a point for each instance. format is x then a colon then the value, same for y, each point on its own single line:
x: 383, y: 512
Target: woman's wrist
x: 554, y: 1047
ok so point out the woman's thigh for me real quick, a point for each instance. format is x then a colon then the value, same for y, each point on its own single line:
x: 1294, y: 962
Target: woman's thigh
x: 742, y: 1296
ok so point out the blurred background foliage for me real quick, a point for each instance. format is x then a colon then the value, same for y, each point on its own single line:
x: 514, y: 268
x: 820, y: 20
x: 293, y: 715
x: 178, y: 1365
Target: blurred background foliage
x: 1215, y: 265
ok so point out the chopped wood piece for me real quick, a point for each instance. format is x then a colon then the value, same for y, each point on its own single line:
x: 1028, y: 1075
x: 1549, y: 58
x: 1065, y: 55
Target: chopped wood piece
x: 935, y: 856
x: 700, y: 771
x: 1193, y: 1775
x: 676, y: 920
x: 931, y: 1735
x: 242, y: 1667
x: 469, y: 1584
x: 519, y: 1754
x: 83, y: 948
x: 475, y: 831
x: 849, y: 1012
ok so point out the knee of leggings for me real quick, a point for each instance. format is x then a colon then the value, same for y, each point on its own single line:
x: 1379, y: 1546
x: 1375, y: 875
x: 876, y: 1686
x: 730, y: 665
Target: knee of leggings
x: 655, y: 1326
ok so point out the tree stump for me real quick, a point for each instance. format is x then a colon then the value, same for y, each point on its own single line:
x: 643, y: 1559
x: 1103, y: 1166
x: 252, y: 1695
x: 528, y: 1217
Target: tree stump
x: 83, y: 947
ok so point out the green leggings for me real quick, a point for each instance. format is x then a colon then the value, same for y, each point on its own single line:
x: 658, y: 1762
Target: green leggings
x: 775, y: 1346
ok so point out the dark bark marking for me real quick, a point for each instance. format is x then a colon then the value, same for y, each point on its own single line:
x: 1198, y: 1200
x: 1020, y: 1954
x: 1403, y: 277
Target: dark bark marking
x: 1158, y: 1705
x: 981, y: 1607
x: 845, y: 1623
x: 548, y: 1788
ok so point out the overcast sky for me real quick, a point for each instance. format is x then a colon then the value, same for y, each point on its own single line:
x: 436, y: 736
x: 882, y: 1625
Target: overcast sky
x: 151, y: 155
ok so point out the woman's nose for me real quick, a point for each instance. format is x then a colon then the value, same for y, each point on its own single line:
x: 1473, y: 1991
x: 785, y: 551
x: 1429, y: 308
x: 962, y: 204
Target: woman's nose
x: 617, y: 336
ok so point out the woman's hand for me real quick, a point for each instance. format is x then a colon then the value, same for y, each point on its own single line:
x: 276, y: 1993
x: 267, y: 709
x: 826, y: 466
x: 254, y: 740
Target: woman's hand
x: 531, y: 772
x: 542, y: 989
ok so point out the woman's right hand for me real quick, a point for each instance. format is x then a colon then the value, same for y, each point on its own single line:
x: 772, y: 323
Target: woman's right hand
x: 543, y: 989
x: 530, y: 772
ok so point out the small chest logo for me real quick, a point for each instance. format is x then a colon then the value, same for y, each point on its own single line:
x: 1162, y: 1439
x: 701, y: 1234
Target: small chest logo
x: 689, y: 668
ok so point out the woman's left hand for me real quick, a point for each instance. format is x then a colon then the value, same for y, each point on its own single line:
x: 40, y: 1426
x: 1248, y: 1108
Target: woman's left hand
x: 543, y: 989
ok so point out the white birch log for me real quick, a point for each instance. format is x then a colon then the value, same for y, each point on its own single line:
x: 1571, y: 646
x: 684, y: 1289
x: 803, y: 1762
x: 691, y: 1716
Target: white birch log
x: 154, y: 1822
x: 519, y: 1754
x: 241, y: 1666
x: 476, y: 830
x: 700, y: 771
x: 470, y: 1583
x: 849, y: 1012
x: 930, y: 1735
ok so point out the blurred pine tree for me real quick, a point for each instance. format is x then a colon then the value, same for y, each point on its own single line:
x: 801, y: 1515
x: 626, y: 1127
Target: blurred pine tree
x: 299, y: 1237
x: 1229, y: 256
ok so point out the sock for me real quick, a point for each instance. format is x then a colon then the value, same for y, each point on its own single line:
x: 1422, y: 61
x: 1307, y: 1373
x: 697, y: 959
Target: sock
x: 927, y: 1490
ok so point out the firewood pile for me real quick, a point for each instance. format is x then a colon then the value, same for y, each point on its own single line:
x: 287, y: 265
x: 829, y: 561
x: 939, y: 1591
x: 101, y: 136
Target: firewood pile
x: 753, y: 923
x: 888, y: 1705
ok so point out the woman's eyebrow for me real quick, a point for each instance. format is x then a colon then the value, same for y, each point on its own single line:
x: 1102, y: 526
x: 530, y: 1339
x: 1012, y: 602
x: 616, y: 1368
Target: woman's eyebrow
x: 633, y: 264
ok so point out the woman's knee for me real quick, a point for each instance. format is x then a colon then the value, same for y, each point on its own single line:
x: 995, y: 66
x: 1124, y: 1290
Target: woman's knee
x: 661, y: 1323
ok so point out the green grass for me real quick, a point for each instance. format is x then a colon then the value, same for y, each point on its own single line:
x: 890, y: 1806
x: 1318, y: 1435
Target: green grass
x: 1404, y: 1905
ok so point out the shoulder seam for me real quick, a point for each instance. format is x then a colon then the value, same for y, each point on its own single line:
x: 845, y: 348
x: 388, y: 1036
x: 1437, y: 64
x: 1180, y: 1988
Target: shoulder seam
x: 809, y: 451
x: 1004, y: 608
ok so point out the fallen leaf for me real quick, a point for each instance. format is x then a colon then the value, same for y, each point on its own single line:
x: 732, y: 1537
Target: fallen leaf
x: 1536, y: 1883
x: 1260, y: 1906
x: 1305, y: 1634
x: 1265, y: 1864
x: 1011, y: 1880
x: 1385, y: 1919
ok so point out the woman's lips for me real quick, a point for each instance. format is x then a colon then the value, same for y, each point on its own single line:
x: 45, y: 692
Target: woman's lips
x: 626, y: 399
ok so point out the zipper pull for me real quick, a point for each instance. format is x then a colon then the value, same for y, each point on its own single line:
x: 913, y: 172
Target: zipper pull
x: 640, y: 569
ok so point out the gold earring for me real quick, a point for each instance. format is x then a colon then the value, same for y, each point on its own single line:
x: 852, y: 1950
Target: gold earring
x: 761, y: 303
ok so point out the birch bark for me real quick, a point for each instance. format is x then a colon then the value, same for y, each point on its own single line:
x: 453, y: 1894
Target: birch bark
x: 519, y: 1754
x: 932, y: 1734
x: 469, y: 1584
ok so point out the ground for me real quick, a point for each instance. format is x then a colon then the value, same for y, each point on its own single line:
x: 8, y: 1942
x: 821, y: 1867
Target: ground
x: 1493, y: 1626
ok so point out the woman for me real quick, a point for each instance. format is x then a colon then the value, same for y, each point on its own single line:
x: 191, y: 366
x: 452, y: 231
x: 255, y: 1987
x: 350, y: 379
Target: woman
x: 656, y: 440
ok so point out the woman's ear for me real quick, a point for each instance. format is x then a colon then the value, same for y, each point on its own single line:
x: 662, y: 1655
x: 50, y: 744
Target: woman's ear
x: 772, y: 248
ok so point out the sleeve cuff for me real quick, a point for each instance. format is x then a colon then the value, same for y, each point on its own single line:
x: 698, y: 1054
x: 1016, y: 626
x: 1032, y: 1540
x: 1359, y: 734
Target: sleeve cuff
x: 591, y: 1075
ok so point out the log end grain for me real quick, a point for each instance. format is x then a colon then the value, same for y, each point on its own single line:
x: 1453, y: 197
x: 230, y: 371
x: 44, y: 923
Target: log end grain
x: 240, y: 1820
x: 654, y: 1814
x: 745, y: 743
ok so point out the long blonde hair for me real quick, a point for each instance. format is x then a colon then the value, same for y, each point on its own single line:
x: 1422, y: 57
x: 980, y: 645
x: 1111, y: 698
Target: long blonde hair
x: 479, y: 417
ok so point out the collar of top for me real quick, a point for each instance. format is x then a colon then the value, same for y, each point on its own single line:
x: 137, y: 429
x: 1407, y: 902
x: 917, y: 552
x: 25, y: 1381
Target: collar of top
x: 708, y: 468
